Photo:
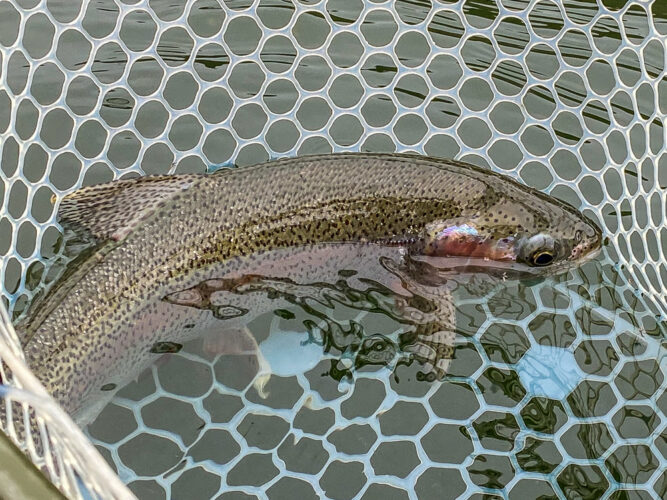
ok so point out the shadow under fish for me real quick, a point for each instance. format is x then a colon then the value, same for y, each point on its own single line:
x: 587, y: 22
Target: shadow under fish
x: 174, y: 258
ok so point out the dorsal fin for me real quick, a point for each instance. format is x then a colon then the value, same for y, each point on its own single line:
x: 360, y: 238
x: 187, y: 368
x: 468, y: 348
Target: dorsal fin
x: 114, y: 209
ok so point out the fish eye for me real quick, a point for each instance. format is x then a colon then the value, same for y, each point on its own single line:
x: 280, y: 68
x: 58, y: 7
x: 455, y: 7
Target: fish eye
x: 542, y: 258
x: 578, y: 235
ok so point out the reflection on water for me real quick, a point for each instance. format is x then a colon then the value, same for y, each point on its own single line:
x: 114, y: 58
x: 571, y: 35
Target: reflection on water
x: 550, y: 372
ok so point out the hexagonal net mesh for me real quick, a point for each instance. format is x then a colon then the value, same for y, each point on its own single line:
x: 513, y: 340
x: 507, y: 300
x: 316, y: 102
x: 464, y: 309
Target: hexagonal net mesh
x: 567, y: 97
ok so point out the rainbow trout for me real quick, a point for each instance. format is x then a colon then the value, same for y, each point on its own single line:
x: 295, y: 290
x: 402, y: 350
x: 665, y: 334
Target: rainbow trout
x: 188, y: 255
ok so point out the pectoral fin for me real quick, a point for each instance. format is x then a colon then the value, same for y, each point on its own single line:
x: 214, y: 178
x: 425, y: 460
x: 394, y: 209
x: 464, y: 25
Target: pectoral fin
x: 433, y: 340
x: 241, y: 342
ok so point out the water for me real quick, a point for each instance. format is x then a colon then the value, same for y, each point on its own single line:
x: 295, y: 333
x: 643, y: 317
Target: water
x: 556, y: 388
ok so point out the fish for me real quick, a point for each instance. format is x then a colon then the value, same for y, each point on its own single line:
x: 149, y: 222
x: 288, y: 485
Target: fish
x: 177, y: 257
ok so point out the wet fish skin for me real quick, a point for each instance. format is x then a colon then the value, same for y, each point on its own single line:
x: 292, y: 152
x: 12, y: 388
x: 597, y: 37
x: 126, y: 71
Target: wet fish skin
x: 157, y: 236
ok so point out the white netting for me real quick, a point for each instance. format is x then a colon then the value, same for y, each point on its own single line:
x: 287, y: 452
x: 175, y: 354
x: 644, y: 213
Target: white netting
x: 569, y: 97
x: 59, y: 449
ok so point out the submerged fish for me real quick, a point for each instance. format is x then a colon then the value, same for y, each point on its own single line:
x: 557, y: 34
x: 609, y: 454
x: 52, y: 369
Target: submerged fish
x: 174, y: 255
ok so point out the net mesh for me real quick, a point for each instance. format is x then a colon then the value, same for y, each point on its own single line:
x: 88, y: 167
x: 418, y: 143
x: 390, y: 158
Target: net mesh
x: 568, y: 97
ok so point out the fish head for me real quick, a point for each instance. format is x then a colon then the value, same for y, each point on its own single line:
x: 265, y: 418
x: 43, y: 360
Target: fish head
x: 538, y: 235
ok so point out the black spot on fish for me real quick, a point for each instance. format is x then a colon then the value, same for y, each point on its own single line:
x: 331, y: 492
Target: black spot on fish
x: 108, y: 387
x: 166, y: 347
x: 426, y: 377
x: 347, y: 273
x: 284, y: 314
x: 189, y: 325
